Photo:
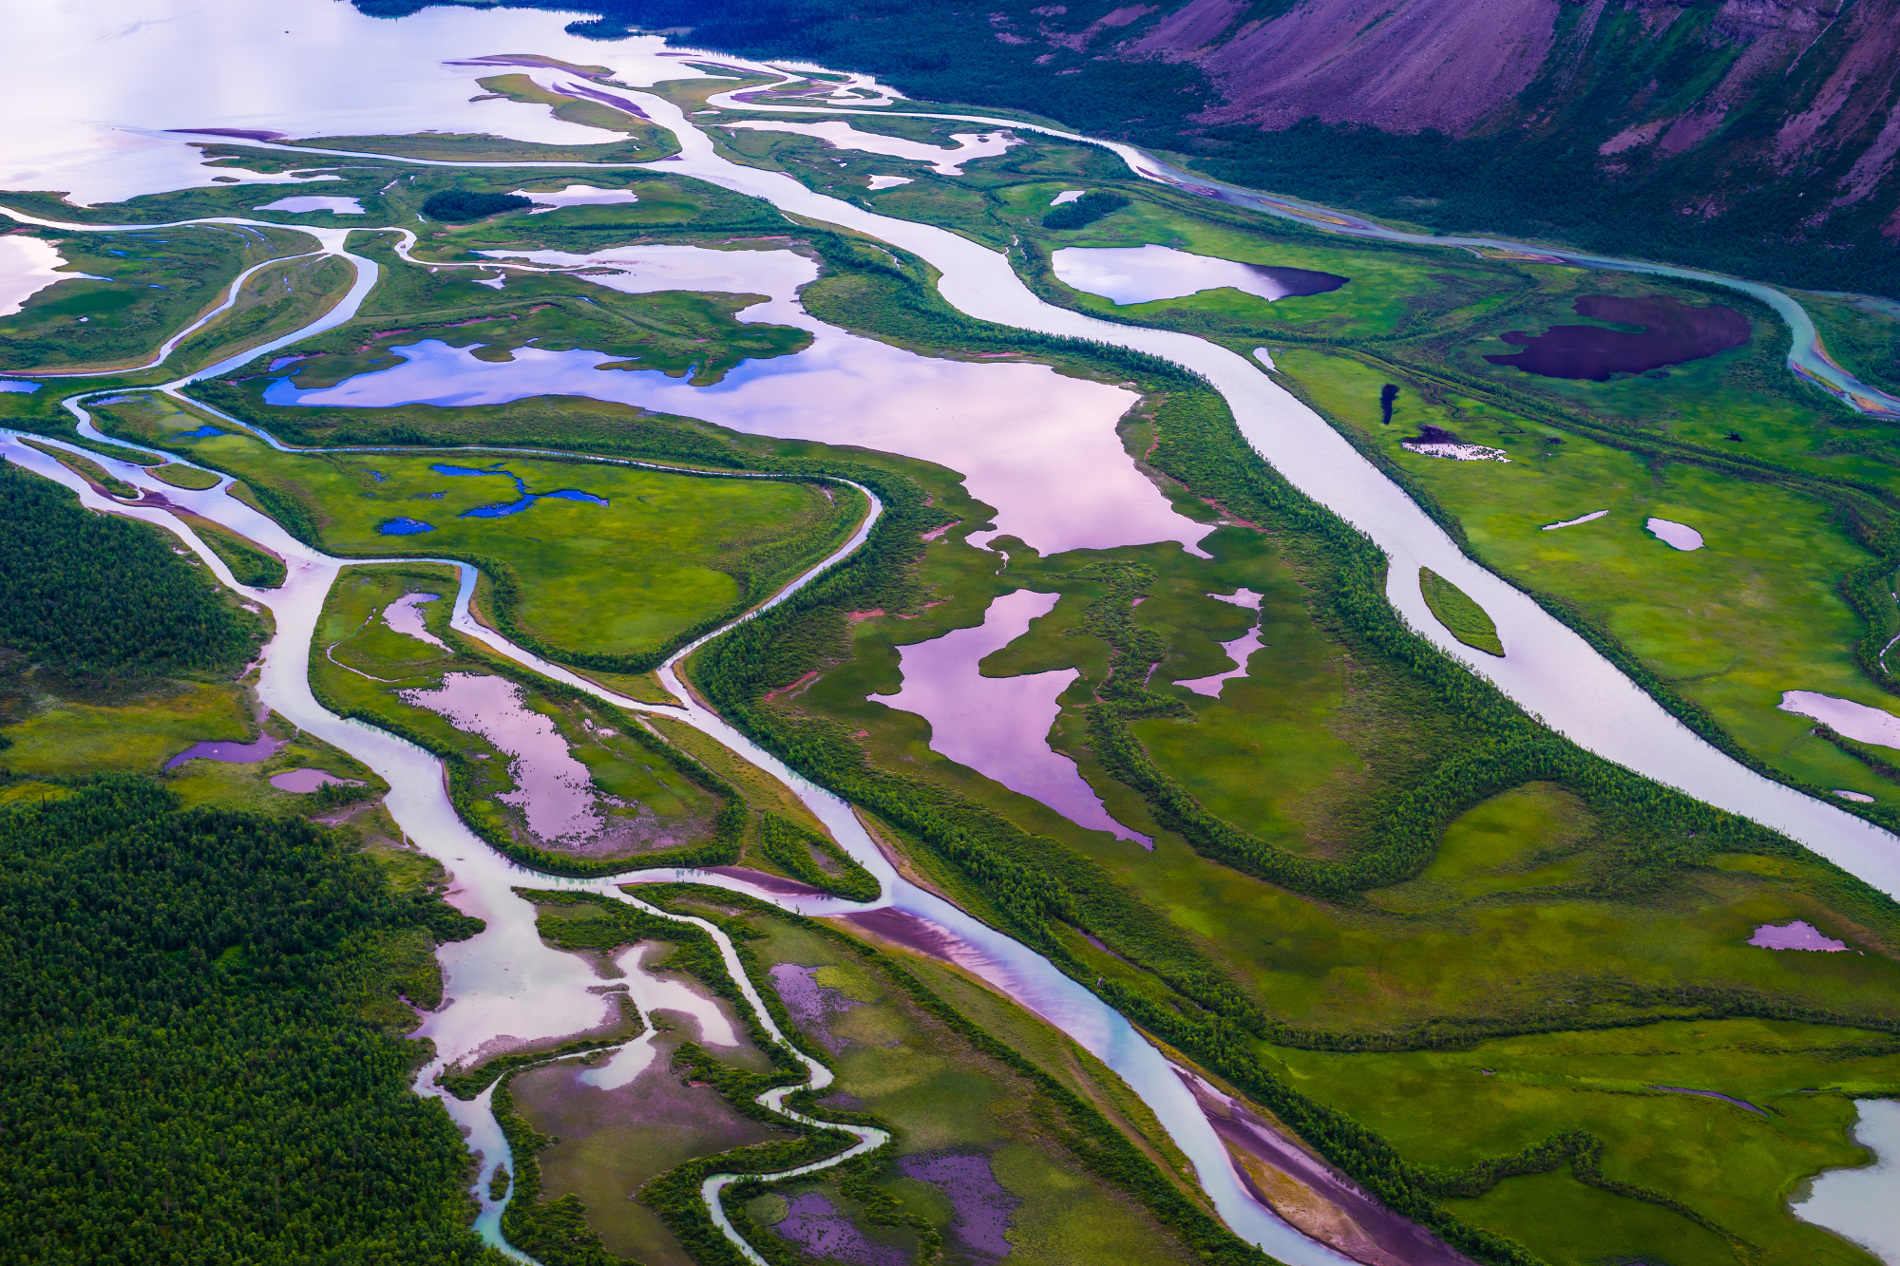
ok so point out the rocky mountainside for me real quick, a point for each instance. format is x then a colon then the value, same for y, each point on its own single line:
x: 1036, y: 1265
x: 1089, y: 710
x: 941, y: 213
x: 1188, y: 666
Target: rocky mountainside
x: 1719, y: 98
x: 1758, y: 136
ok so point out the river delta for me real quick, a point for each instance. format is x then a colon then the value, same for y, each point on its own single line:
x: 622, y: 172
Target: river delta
x: 952, y: 584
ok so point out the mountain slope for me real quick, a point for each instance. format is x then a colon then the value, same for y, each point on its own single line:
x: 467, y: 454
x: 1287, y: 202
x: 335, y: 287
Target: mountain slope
x: 1759, y: 136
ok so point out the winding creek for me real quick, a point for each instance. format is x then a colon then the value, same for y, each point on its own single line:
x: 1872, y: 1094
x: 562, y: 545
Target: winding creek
x: 506, y: 988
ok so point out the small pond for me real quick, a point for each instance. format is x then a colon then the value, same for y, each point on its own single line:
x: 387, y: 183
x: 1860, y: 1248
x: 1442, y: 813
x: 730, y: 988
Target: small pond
x: 1142, y: 274
x: 945, y: 161
x: 999, y: 726
x: 305, y: 203
x: 1669, y: 332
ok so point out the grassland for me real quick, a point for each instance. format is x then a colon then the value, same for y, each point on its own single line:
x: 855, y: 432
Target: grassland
x: 946, y: 1096
x: 1548, y: 903
x: 1733, y: 1166
x: 148, y: 286
x: 599, y: 584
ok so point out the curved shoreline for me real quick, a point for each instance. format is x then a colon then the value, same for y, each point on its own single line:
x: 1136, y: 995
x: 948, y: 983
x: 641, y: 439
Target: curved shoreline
x: 971, y: 281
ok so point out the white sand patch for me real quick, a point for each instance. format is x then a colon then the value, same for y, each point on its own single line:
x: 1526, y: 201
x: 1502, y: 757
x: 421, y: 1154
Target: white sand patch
x: 1454, y: 452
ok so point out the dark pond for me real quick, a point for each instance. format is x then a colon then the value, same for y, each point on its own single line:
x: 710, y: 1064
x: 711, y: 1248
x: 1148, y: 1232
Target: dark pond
x: 404, y: 527
x: 1294, y: 283
x: 1670, y: 333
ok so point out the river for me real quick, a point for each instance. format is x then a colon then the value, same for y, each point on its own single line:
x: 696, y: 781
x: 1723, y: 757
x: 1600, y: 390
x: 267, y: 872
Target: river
x: 506, y: 983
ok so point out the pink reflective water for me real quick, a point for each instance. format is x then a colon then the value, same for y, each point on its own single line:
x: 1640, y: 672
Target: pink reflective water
x: 999, y: 726
x: 1854, y: 720
x: 403, y: 617
x: 303, y: 781
x: 1799, y: 935
x: 1037, y: 446
x: 943, y: 160
x: 553, y: 791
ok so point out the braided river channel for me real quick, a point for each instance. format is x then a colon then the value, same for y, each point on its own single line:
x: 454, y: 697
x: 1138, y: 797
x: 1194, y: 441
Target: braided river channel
x: 505, y: 988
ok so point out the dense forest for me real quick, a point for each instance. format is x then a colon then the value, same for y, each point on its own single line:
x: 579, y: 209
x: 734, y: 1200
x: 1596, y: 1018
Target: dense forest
x: 85, y: 591
x: 183, y: 1075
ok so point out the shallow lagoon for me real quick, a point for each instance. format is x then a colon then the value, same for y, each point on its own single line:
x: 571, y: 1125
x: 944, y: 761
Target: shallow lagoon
x: 1038, y: 446
x: 999, y: 726
x: 945, y: 161
x: 1141, y: 274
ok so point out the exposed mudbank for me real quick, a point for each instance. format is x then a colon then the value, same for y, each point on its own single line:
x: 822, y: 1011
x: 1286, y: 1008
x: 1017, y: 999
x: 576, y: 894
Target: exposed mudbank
x: 1672, y: 333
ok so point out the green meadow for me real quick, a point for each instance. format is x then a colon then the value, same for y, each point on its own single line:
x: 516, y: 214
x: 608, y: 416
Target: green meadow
x: 1736, y: 1168
x: 1755, y: 612
x: 667, y: 552
x: 143, y: 286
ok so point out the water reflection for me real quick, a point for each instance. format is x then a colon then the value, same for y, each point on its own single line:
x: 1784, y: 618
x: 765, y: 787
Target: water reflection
x: 1144, y: 273
x: 999, y: 726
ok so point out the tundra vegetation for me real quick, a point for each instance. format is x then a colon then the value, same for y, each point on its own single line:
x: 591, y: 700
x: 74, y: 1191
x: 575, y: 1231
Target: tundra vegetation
x: 1460, y: 958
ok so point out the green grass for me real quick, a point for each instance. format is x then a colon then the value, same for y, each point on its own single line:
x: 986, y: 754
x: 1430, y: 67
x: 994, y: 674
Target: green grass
x: 907, y: 1068
x: 1457, y: 612
x: 69, y: 737
x: 155, y: 284
x: 1734, y: 1167
x: 1730, y: 626
x: 668, y: 553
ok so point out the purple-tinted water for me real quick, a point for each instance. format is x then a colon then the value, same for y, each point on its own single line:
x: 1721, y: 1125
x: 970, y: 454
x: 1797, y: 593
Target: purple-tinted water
x: 999, y: 726
x: 1799, y: 935
x: 231, y: 753
x: 1142, y: 274
x: 1712, y: 1094
x: 304, y: 781
x: 1037, y: 446
x: 402, y: 617
x: 817, y: 1227
x: 553, y: 791
x: 1855, y: 720
x: 980, y: 1206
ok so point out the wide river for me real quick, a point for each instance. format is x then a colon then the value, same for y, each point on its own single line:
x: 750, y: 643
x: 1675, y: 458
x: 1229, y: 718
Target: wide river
x: 505, y: 983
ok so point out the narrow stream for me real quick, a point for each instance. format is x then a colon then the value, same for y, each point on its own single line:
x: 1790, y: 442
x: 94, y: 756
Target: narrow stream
x: 506, y: 984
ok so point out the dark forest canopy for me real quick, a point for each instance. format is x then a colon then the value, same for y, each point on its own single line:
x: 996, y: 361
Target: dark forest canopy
x: 89, y: 591
x: 183, y: 1075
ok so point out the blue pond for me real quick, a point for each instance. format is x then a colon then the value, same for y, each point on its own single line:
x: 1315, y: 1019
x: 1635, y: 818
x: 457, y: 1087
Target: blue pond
x: 203, y: 432
x: 7, y: 384
x: 502, y: 509
x: 404, y: 527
